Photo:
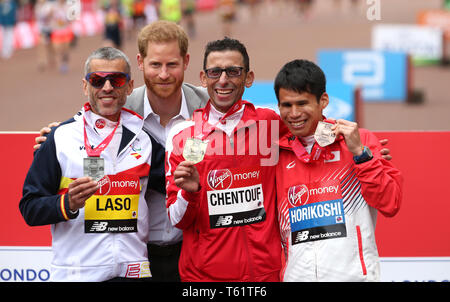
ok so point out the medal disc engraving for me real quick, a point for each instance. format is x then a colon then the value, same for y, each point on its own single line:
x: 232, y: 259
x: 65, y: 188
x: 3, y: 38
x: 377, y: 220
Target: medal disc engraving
x: 94, y: 167
x: 324, y: 135
x: 194, y: 150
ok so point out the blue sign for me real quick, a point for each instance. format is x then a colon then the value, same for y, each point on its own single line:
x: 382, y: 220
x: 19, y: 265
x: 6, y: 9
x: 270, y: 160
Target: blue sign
x: 341, y: 103
x: 382, y: 75
x: 262, y: 94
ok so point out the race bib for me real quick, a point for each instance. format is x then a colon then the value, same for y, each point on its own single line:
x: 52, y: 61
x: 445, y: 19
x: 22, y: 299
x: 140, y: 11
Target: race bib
x: 114, y: 207
x: 235, y: 197
x: 317, y: 212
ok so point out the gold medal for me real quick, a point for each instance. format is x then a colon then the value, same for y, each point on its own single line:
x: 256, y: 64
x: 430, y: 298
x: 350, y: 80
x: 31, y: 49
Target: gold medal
x: 194, y: 150
x: 324, y: 135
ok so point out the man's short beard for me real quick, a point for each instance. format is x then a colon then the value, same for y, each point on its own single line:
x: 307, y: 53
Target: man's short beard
x: 162, y: 94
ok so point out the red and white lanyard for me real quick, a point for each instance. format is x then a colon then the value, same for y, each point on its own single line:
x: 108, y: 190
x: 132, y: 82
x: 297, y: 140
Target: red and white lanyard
x: 95, y: 152
x: 202, y: 128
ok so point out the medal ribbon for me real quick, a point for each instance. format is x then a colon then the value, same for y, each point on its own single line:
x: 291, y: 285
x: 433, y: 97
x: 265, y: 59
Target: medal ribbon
x: 202, y: 128
x: 317, y: 152
x: 95, y: 152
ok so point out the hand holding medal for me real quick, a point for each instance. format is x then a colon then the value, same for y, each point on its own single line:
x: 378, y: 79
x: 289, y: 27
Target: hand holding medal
x: 194, y: 150
x: 186, y: 176
x: 80, y: 190
x: 324, y: 134
x: 350, y: 132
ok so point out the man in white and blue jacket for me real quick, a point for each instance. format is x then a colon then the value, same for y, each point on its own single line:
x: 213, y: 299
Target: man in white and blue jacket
x: 99, y: 227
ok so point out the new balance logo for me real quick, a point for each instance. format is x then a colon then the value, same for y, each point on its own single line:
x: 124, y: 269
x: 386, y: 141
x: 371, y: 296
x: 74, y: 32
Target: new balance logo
x: 224, y: 220
x: 301, y: 236
x: 98, y: 226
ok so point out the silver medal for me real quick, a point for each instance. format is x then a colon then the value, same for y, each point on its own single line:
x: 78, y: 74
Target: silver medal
x: 324, y: 135
x: 94, y: 167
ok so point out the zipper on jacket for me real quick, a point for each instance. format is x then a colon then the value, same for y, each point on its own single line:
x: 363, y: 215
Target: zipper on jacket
x: 316, y: 271
x: 251, y: 272
x: 114, y: 250
x: 360, y: 248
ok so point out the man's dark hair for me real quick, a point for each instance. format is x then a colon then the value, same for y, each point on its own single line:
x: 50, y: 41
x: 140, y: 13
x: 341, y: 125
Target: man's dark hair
x: 301, y: 76
x: 227, y: 44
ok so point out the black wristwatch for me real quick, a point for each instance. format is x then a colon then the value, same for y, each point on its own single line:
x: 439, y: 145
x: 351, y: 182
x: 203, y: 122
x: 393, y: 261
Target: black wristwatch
x: 366, y: 155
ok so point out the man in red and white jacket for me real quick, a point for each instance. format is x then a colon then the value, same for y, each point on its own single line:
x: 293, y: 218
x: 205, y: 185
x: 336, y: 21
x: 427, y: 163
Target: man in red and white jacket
x: 328, y: 195
x: 225, y: 202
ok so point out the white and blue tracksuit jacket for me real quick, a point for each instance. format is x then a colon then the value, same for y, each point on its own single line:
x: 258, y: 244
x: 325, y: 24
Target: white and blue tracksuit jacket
x: 107, y: 238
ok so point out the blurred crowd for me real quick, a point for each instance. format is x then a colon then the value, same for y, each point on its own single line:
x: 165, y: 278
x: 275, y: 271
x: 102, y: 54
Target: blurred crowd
x: 53, y: 20
x: 122, y: 19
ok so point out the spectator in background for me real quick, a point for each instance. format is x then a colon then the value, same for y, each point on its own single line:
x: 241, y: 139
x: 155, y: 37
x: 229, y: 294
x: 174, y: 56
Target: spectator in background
x: 113, y: 24
x: 227, y: 13
x: 127, y: 18
x: 62, y: 35
x: 151, y: 14
x: 43, y: 14
x: 24, y: 10
x: 8, y: 9
x: 188, y: 10
x: 138, y: 14
x: 304, y: 8
x: 170, y: 10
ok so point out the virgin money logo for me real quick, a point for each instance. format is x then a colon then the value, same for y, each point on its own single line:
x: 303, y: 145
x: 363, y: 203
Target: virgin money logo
x: 105, y: 186
x: 298, y: 195
x: 220, y: 179
x: 100, y: 123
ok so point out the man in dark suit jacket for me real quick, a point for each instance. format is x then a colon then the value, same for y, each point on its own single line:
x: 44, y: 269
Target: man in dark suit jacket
x: 163, y: 101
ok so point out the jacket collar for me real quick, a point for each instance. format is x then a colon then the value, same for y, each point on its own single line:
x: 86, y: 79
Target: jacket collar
x: 131, y: 122
x: 201, y: 116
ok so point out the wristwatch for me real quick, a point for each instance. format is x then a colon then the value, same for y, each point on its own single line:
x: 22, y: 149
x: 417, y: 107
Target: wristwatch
x: 366, y: 155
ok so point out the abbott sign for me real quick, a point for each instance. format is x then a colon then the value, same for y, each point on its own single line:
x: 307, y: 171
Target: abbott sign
x: 382, y: 76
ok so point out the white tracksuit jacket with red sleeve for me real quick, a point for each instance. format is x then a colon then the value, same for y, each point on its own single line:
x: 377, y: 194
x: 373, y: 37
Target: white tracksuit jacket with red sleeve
x: 230, y: 228
x: 328, y: 209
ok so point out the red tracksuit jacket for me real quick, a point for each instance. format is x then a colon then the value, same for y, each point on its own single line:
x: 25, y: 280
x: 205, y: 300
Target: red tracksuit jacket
x: 230, y: 227
x: 328, y: 209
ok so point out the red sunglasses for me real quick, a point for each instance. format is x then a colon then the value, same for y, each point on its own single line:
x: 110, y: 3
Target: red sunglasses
x: 98, y: 79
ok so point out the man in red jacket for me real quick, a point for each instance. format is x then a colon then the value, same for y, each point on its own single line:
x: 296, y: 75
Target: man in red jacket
x: 331, y: 182
x: 220, y: 177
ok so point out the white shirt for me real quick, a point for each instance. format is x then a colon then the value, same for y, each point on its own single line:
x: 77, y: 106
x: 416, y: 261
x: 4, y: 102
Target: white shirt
x: 308, y: 142
x: 161, y: 230
x: 152, y: 120
x: 230, y: 122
